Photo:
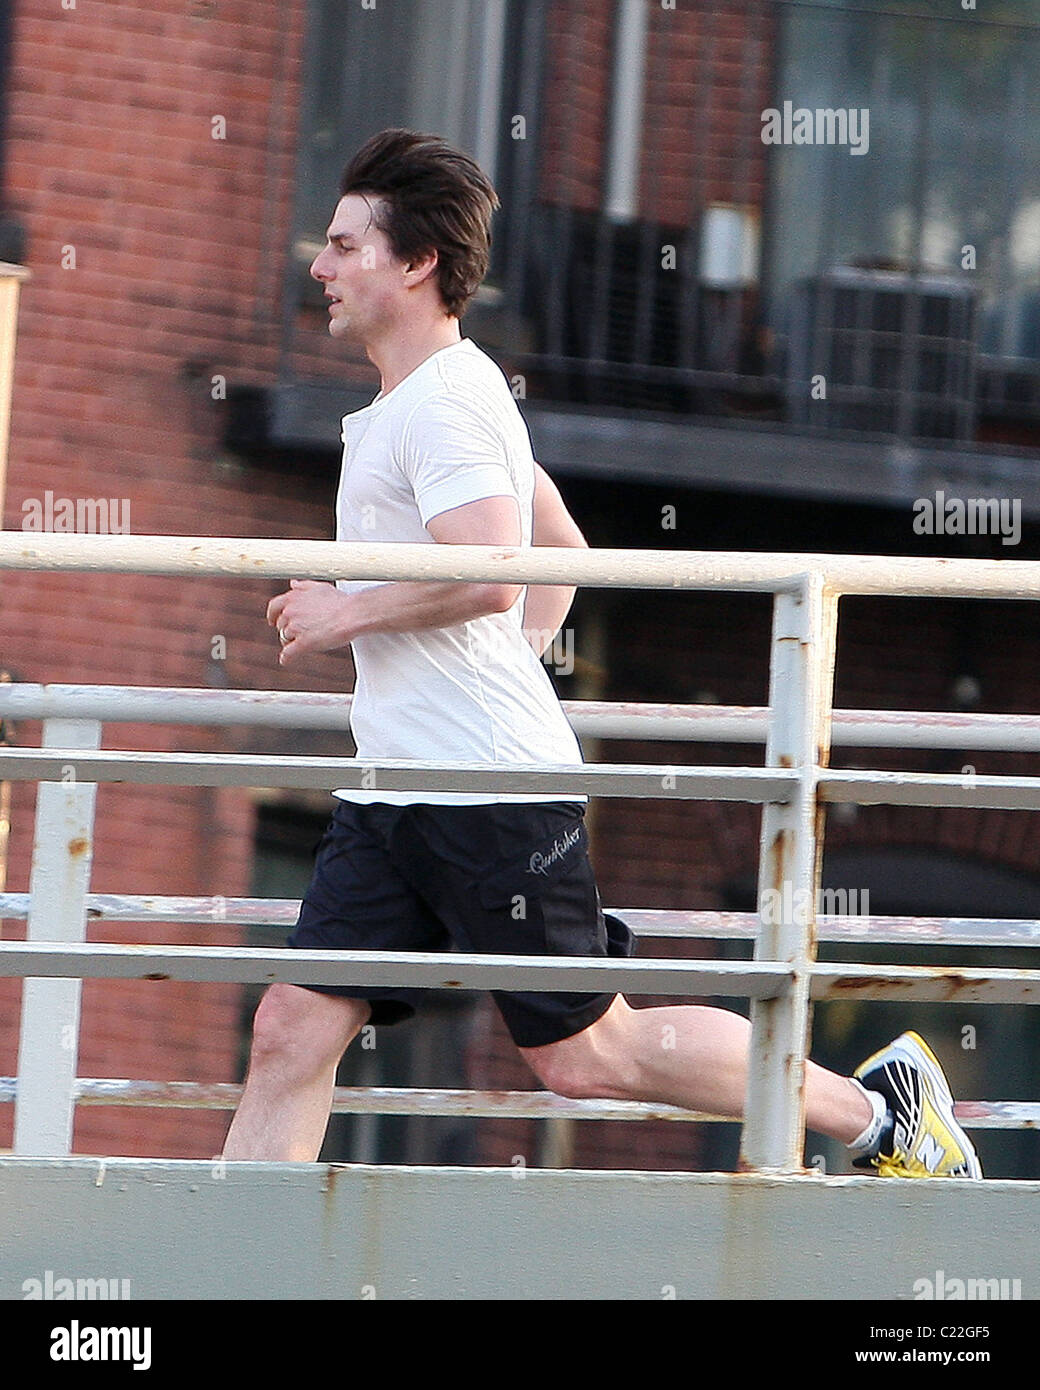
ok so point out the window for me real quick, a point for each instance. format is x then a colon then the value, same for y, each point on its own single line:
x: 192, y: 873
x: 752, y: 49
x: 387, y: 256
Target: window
x: 953, y: 158
x: 439, y: 68
x: 12, y: 235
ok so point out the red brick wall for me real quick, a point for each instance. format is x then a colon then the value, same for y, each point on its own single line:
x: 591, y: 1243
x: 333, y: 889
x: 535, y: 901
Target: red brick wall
x: 709, y: 70
x: 178, y: 242
x: 577, y: 88
x: 708, y: 78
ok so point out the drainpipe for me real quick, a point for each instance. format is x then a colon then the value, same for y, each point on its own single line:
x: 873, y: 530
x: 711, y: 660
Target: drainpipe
x: 625, y: 139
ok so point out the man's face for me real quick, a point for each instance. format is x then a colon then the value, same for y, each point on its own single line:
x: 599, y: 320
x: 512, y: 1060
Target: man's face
x: 362, y: 278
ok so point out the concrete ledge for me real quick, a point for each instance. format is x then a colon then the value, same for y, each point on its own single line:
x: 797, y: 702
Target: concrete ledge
x: 184, y: 1229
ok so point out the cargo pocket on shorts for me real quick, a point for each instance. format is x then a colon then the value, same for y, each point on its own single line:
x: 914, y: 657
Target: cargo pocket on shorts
x: 553, y: 891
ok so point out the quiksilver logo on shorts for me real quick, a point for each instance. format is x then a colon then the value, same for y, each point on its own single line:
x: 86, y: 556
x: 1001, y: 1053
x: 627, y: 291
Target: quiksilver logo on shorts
x: 541, y: 863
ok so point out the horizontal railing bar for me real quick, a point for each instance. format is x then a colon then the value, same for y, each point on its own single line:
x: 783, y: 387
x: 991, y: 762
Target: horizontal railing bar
x: 650, y: 923
x: 329, y: 710
x: 264, y: 558
x: 997, y: 1114
x: 416, y: 969
x: 755, y: 784
x: 213, y: 910
x: 130, y: 704
x: 443, y: 1101
x: 431, y: 970
x: 930, y: 789
x: 645, y: 922
x: 864, y: 728
x: 374, y: 1100
x: 934, y: 984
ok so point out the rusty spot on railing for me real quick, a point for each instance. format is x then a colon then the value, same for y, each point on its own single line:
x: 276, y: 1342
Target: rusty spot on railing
x: 777, y: 855
x: 877, y: 988
x: 328, y: 1186
x: 155, y: 975
x: 852, y: 983
x: 954, y: 979
x: 78, y: 847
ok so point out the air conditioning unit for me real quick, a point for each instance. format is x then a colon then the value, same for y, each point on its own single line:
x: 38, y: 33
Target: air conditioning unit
x: 883, y: 351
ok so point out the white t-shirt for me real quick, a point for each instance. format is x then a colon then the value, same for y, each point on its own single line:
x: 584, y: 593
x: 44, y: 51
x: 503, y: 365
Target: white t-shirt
x: 448, y: 434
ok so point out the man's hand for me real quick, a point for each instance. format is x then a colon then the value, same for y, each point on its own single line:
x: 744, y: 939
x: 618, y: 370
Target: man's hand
x: 311, y: 617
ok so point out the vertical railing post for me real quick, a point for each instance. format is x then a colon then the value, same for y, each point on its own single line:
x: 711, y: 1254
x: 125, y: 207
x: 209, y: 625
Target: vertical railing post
x: 801, y: 685
x: 48, y: 1047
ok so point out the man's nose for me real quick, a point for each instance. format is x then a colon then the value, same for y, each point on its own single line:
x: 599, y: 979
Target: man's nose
x: 317, y: 267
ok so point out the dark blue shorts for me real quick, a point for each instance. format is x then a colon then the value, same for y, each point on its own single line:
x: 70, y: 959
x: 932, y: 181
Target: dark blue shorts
x: 504, y: 878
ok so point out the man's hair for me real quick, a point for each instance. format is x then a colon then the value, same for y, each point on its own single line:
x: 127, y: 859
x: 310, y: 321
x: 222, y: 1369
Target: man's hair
x: 435, y: 198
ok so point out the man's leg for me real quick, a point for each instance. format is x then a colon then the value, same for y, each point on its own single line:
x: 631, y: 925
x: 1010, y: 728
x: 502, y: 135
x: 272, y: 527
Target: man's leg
x: 299, y: 1037
x: 356, y: 900
x: 688, y: 1055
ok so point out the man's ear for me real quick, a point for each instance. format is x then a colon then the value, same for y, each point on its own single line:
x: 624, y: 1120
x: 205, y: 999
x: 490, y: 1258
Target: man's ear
x: 420, y: 268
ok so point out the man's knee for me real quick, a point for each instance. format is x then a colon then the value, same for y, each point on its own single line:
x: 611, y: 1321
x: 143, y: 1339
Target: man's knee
x: 297, y: 1025
x: 590, y: 1064
x: 566, y: 1072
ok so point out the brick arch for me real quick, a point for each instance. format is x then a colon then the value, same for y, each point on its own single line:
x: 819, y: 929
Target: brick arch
x: 1001, y: 838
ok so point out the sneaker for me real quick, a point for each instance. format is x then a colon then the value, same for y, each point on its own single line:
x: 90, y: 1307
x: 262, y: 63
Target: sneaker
x: 924, y: 1140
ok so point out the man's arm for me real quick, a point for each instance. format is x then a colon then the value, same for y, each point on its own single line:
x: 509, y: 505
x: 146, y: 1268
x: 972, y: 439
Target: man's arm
x: 317, y: 617
x: 547, y: 605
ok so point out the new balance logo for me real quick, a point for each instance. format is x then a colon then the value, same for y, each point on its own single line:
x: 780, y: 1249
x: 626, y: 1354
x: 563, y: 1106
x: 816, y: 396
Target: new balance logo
x: 930, y: 1152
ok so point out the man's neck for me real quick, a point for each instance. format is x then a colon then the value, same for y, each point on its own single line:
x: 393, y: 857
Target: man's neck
x: 398, y: 357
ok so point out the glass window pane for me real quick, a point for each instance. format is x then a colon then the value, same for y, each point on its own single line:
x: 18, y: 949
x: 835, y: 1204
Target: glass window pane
x: 406, y: 63
x: 953, y: 159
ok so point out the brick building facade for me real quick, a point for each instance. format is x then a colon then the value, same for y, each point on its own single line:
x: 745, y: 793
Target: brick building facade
x: 150, y: 157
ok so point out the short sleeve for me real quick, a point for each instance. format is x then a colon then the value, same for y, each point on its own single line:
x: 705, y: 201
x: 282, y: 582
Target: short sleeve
x: 453, y: 453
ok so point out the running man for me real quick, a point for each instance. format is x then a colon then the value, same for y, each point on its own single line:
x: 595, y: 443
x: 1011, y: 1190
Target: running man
x: 452, y: 672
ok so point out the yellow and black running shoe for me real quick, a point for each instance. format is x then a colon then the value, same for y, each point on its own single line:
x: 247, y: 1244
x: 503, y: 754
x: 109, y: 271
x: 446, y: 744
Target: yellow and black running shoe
x: 924, y: 1140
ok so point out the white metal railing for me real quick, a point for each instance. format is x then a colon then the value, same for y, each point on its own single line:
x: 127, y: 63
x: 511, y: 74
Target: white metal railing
x: 793, y: 787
